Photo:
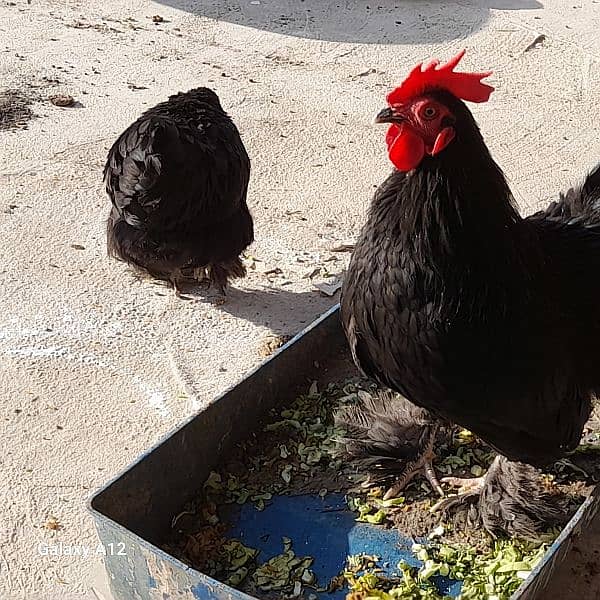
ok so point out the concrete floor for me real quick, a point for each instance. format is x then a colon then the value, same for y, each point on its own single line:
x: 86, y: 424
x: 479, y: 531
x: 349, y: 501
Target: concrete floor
x: 94, y: 365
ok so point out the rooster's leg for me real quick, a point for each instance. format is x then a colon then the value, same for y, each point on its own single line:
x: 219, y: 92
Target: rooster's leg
x: 467, y: 487
x: 423, y: 464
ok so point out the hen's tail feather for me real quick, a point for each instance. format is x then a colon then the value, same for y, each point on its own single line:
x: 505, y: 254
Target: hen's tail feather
x: 175, y: 258
x: 512, y: 502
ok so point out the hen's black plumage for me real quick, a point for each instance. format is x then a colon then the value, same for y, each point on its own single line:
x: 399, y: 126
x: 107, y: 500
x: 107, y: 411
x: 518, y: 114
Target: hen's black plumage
x: 483, y: 317
x: 177, y: 179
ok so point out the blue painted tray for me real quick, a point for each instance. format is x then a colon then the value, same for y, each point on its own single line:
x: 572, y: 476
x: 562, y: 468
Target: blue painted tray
x: 133, y: 512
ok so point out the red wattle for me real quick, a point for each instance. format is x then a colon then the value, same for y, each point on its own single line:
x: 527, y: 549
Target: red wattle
x: 392, y: 133
x: 406, y: 148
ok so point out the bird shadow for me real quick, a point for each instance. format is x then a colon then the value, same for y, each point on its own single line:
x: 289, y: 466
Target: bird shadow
x: 356, y: 21
x: 282, y: 311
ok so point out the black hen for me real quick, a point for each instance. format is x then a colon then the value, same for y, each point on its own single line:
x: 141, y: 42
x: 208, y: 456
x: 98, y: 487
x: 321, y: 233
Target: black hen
x: 177, y: 179
x: 469, y: 310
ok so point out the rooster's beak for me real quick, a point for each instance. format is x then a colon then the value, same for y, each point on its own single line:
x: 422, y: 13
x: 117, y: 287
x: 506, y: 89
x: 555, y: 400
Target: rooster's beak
x: 387, y: 115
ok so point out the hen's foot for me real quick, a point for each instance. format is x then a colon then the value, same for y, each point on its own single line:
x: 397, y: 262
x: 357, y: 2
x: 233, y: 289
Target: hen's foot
x: 218, y: 276
x: 176, y: 284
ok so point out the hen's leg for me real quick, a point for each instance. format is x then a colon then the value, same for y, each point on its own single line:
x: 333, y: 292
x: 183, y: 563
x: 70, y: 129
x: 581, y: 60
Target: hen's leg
x: 176, y: 288
x: 176, y: 280
x: 201, y: 276
x: 218, y: 277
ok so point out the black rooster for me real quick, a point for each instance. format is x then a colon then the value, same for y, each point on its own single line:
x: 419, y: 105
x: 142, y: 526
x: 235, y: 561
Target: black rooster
x: 177, y: 179
x: 482, y: 317
x: 390, y: 437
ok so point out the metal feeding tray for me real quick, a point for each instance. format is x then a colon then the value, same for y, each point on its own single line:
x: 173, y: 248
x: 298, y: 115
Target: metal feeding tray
x: 133, y: 513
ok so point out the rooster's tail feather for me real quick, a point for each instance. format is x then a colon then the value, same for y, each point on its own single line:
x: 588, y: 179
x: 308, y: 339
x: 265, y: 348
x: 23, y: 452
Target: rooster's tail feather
x: 581, y: 204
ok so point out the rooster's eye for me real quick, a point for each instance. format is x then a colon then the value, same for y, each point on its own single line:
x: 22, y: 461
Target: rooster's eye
x: 429, y: 112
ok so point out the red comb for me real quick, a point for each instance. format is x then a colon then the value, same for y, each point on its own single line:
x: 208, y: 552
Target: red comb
x: 466, y: 86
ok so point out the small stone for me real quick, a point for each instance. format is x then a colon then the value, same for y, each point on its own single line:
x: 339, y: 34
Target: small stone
x: 62, y: 100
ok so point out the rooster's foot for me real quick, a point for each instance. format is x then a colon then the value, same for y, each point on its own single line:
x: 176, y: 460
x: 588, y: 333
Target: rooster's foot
x: 422, y: 465
x: 467, y: 487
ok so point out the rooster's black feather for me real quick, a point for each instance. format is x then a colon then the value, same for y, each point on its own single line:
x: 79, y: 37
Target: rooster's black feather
x: 469, y: 310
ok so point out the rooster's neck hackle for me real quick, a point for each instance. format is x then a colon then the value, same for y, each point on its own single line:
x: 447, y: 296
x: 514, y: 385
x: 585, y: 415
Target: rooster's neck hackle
x: 455, y: 208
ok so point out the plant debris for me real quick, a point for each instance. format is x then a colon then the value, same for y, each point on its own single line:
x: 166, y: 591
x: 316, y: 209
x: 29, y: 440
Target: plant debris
x: 495, y: 574
x: 294, y: 452
x: 271, y: 343
x: 347, y: 247
x: 330, y: 287
x: 536, y: 42
x: 135, y: 87
x: 285, y: 572
x: 52, y: 524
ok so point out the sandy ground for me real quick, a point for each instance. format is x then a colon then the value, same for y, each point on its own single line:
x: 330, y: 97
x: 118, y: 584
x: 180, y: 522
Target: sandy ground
x: 94, y: 365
